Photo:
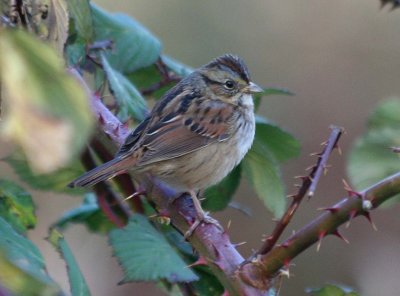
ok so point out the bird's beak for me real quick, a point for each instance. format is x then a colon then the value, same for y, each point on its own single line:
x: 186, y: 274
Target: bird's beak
x: 253, y: 88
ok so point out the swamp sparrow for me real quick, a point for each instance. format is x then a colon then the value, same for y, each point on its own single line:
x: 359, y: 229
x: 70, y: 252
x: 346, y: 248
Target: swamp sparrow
x: 194, y: 136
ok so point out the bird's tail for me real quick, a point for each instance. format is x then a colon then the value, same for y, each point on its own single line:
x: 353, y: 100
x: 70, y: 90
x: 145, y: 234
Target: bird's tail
x: 103, y: 172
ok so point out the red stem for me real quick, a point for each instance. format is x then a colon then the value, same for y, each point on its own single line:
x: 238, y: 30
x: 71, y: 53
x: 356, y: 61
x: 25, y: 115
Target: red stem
x: 308, y: 182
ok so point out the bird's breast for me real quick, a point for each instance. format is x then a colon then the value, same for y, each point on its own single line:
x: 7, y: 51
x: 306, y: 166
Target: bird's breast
x: 208, y: 166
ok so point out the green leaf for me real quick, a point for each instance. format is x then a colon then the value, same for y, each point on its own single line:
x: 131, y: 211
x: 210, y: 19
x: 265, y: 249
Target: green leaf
x: 169, y: 289
x: 146, y: 77
x: 280, y: 143
x: 176, y: 66
x: 75, y: 50
x: 56, y: 181
x: 19, y: 282
x: 260, y: 168
x: 219, y: 196
x: 135, y: 46
x: 331, y: 290
x: 130, y: 101
x: 371, y: 158
x: 145, y: 255
x: 50, y: 121
x: 269, y: 91
x: 87, y: 213
x: 23, y: 253
x: 76, y: 280
x: 81, y: 13
x: 386, y: 115
x: 208, y: 284
x: 16, y: 206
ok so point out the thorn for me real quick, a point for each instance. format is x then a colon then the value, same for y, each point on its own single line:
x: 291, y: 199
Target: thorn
x: 350, y: 191
x: 301, y: 177
x: 368, y: 216
x: 97, y: 95
x: 326, y: 167
x: 162, y: 216
x: 165, y: 220
x: 324, y: 143
x: 228, y: 225
x: 135, y: 194
x: 284, y: 272
x: 267, y: 238
x: 101, y: 119
x: 315, y: 154
x: 125, y: 125
x: 310, y: 168
x: 286, y: 244
x: 200, y: 261
x: 239, y: 244
x: 339, y: 150
x: 310, y: 194
x: 286, y: 263
x: 291, y: 195
x: 352, y: 214
x: 321, y: 235
x: 333, y: 210
x: 337, y: 233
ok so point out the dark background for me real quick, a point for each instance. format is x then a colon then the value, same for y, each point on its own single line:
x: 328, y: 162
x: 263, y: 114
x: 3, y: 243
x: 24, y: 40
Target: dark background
x: 340, y: 58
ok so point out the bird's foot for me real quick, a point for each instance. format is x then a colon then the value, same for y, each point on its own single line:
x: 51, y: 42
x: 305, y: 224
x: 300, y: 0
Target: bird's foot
x: 202, y: 217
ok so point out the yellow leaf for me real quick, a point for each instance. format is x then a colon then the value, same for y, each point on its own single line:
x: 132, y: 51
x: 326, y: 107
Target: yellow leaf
x: 46, y: 111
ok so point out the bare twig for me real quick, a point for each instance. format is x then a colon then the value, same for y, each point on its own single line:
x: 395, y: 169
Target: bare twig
x: 308, y: 185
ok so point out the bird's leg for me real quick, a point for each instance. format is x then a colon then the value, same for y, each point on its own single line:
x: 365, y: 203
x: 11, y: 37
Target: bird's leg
x: 201, y: 216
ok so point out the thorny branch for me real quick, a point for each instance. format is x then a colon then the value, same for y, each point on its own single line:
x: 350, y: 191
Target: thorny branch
x: 252, y: 277
x: 309, y: 185
x: 266, y: 266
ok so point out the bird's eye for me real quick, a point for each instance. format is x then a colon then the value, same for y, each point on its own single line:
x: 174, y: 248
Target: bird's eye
x: 229, y: 84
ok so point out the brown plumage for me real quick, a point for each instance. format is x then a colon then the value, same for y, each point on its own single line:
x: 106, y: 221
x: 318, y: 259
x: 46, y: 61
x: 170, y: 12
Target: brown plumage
x: 195, y: 135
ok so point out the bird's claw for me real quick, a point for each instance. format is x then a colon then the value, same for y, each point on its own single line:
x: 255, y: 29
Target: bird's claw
x: 203, y: 217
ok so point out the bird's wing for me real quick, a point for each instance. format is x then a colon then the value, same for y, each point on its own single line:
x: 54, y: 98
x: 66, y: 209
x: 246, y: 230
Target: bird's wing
x: 181, y: 129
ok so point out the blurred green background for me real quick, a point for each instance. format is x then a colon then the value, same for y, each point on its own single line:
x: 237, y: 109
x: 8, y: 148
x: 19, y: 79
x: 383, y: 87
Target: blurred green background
x: 340, y: 58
